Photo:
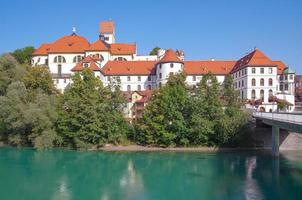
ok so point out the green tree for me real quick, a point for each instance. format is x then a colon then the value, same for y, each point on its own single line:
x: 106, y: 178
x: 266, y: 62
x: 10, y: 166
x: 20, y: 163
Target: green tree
x: 28, y: 121
x: 39, y: 77
x: 154, y: 51
x: 10, y: 71
x: 89, y: 115
x: 164, y: 120
x: 206, y: 111
x: 23, y: 56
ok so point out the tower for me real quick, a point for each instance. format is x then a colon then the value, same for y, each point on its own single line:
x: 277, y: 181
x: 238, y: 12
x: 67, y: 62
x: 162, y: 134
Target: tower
x: 107, y: 32
x: 169, y: 64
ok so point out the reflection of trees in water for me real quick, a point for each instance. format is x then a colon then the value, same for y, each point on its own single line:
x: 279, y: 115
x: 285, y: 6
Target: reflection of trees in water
x: 94, y: 175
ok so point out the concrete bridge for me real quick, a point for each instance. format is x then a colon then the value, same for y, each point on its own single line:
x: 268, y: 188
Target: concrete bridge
x: 287, y: 121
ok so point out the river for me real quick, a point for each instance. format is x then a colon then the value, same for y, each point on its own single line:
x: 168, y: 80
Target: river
x: 62, y: 174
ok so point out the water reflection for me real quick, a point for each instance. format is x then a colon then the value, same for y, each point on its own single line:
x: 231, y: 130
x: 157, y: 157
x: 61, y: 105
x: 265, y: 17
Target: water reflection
x: 57, y: 175
x: 251, y: 190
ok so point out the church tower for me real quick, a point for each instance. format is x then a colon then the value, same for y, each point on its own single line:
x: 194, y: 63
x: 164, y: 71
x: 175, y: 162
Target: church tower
x: 107, y: 32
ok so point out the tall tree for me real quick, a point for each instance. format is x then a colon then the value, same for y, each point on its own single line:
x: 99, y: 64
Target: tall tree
x: 164, y: 120
x: 153, y: 52
x: 23, y: 56
x: 88, y: 115
x: 206, y: 111
x: 10, y: 71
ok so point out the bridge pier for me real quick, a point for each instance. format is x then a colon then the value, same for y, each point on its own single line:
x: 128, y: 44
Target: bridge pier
x: 275, y: 140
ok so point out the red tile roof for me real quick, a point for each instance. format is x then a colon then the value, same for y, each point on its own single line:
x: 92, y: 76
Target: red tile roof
x: 98, y: 46
x: 204, y: 67
x: 280, y: 66
x: 107, y: 27
x: 255, y: 59
x: 42, y: 50
x: 129, y: 68
x: 123, y: 49
x: 69, y: 44
x: 92, y: 64
x: 170, y: 56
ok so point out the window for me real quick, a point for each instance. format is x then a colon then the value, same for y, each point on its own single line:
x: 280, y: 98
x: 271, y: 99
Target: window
x: 261, y: 70
x: 253, y: 82
x: 128, y: 87
x: 149, y: 78
x: 160, y: 76
x: 281, y: 87
x: 159, y: 66
x: 242, y: 83
x: 194, y: 78
x: 77, y: 59
x: 262, y: 82
x: 291, y: 77
x: 128, y: 78
x: 270, y: 70
x: 239, y: 84
x: 86, y: 65
x: 108, y: 78
x: 149, y: 87
x: 242, y: 94
x: 262, y: 95
x: 171, y: 65
x: 253, y: 94
x: 270, y: 92
x: 139, y: 88
x: 286, y: 87
x: 245, y: 71
x: 285, y: 77
x: 46, y: 61
x: 57, y: 80
x: 159, y: 85
x: 253, y: 70
x: 139, y: 78
x: 270, y: 82
x: 64, y: 80
x: 236, y: 85
x: 120, y: 59
x: 59, y: 59
x: 60, y: 69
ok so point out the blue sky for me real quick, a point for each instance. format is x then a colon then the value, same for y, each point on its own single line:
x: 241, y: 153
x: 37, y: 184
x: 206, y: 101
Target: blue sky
x: 204, y: 29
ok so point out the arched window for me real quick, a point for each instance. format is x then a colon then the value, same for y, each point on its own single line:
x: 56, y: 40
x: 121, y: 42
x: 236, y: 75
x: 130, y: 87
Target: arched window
x: 98, y: 56
x: 59, y: 59
x: 253, y: 94
x: 253, y: 82
x: 262, y: 95
x: 139, y: 88
x: 120, y: 59
x: 128, y: 87
x: 171, y: 65
x: 270, y: 92
x: 270, y: 82
x: 77, y: 59
x: 262, y: 82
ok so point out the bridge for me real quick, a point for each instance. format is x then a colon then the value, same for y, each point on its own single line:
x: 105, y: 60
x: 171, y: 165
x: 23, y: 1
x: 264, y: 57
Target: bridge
x: 287, y: 121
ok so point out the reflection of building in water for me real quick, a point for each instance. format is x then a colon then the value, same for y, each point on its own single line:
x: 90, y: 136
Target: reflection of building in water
x: 62, y: 193
x: 130, y: 185
x: 252, y: 191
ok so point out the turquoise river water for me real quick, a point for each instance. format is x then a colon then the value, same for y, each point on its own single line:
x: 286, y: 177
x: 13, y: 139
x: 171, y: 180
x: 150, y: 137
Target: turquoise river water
x: 61, y: 174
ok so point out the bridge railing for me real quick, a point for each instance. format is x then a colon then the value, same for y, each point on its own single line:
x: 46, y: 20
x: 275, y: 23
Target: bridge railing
x: 288, y: 117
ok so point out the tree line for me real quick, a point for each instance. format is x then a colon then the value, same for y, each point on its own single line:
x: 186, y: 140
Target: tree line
x: 89, y: 115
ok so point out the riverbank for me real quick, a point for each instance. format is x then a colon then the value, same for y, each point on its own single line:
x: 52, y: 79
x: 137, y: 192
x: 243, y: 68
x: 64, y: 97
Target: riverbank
x: 138, y: 148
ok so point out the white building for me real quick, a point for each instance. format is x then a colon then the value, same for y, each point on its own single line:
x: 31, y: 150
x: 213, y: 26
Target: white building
x: 256, y: 77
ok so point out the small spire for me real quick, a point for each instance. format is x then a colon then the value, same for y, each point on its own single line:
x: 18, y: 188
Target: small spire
x: 74, y: 30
